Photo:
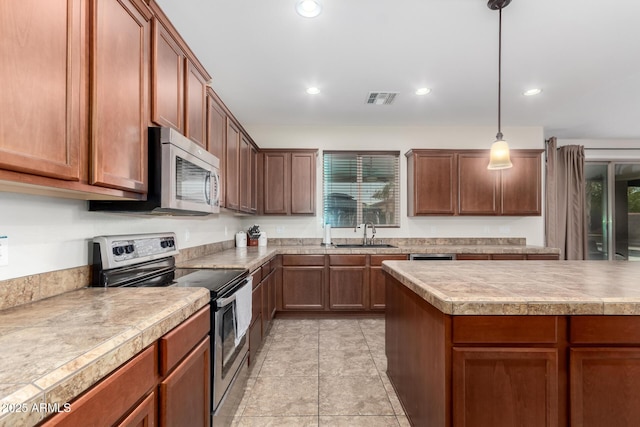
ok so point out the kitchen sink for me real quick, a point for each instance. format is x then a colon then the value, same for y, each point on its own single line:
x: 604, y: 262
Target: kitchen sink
x: 375, y: 245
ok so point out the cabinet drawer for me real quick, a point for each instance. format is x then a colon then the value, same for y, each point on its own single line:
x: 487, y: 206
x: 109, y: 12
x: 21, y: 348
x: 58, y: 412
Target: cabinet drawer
x: 303, y: 260
x: 267, y: 267
x: 377, y: 259
x: 543, y: 257
x: 508, y: 257
x: 114, y: 396
x: 604, y: 330
x: 357, y: 260
x: 505, y: 329
x: 256, y: 277
x: 473, y: 257
x: 181, y: 340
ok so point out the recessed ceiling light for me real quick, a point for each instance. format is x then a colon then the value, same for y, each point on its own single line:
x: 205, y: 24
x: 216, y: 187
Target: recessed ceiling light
x: 308, y: 8
x: 313, y: 91
x: 531, y: 92
x: 423, y: 91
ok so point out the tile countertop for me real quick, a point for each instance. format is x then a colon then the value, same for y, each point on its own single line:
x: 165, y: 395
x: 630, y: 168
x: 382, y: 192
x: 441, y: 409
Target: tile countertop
x: 54, y: 349
x: 253, y: 257
x: 523, y: 287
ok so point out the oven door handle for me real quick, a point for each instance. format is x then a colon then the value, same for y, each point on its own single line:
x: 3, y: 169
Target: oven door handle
x: 223, y: 302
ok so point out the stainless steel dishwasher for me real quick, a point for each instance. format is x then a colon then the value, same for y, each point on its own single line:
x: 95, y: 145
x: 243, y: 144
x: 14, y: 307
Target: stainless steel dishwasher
x: 432, y: 257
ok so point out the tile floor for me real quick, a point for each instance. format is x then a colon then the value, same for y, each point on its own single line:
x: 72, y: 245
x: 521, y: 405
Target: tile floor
x: 328, y: 372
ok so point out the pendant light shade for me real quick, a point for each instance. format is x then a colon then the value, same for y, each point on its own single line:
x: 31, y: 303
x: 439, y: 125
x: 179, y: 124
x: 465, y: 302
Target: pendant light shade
x: 499, y: 156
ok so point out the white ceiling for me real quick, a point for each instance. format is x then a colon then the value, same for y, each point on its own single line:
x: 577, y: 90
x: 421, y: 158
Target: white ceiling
x: 584, y: 54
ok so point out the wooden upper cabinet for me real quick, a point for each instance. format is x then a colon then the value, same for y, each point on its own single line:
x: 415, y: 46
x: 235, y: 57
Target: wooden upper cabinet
x: 303, y: 183
x: 179, y: 83
x: 289, y: 178
x: 42, y: 78
x: 457, y: 182
x: 276, y: 184
x: 431, y: 182
x: 232, y: 164
x: 522, y: 184
x: 217, y: 134
x: 196, y: 104
x: 167, y: 87
x: 244, y: 174
x: 120, y: 93
x: 253, y: 182
x: 478, y: 187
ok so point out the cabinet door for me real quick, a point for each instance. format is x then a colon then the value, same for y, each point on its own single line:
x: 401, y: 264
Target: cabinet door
x: 477, y: 187
x: 184, y: 394
x: 245, y: 174
x: 604, y: 386
x: 473, y: 257
x: 303, y: 183
x: 496, y: 387
x: 303, y: 288
x: 144, y: 415
x: 216, y: 135
x: 348, y: 288
x: 276, y: 183
x: 521, y: 185
x: 253, y: 205
x: 432, y: 183
x: 40, y: 124
x: 195, y: 104
x: 120, y: 94
x: 255, y: 330
x: 377, y: 289
x: 232, y: 149
x: 167, y: 87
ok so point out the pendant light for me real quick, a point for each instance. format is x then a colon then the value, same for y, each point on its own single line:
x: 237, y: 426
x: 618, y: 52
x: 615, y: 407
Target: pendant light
x: 499, y: 156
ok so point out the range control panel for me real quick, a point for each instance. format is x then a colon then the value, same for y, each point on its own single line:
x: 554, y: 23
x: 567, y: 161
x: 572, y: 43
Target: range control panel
x: 118, y: 251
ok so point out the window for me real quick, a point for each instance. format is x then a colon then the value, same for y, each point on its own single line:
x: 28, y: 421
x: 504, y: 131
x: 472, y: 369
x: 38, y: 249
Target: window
x: 362, y: 187
x: 613, y: 210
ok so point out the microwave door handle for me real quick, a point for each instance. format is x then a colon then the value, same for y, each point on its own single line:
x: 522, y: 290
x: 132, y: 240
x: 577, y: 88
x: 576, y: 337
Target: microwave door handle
x: 216, y: 179
x: 207, y: 188
x: 223, y: 302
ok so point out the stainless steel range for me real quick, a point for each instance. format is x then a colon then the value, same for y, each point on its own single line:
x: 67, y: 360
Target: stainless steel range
x: 144, y: 260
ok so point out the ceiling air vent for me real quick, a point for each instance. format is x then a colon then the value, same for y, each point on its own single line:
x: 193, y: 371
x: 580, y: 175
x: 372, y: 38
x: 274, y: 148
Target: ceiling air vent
x: 381, y: 98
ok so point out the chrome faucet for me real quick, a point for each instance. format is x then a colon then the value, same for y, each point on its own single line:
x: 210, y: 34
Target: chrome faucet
x: 373, y: 232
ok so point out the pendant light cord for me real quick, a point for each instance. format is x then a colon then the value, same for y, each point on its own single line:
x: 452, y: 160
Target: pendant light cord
x: 499, y: 136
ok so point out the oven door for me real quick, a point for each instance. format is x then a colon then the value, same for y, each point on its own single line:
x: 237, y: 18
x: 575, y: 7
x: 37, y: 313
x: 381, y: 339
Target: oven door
x: 227, y: 355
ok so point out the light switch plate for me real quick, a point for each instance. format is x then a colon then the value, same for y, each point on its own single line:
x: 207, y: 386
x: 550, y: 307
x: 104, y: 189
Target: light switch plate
x: 4, y: 250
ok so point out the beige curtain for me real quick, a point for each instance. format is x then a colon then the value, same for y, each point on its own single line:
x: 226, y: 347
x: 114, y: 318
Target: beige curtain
x: 565, y: 213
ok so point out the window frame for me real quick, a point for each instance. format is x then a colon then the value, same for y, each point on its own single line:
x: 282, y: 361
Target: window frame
x: 359, y: 154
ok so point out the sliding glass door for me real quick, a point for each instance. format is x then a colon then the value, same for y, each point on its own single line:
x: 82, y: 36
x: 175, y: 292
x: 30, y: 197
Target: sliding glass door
x: 613, y: 210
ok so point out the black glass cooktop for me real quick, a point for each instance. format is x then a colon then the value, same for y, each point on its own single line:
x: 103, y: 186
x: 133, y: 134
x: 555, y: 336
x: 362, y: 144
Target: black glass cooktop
x: 216, y: 280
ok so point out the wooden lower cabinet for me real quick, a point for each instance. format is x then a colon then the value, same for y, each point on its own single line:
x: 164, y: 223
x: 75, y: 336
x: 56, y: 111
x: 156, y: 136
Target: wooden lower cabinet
x: 115, y: 396
x: 303, y: 283
x: 604, y: 386
x: 523, y: 380
x: 493, y: 371
x: 144, y: 415
x: 167, y: 384
x: 348, y: 282
x: 184, y: 394
x: 377, y: 279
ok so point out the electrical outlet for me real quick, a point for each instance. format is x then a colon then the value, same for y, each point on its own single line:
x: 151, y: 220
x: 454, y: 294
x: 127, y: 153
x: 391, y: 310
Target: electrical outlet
x: 226, y: 232
x: 4, y: 250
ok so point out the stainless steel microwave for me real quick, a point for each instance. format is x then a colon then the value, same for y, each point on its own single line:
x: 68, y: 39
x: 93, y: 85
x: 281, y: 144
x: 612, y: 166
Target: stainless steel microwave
x: 184, y: 179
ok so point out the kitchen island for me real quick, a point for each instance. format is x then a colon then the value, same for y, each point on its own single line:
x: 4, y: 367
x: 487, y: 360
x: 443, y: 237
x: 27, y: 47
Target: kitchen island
x: 533, y: 343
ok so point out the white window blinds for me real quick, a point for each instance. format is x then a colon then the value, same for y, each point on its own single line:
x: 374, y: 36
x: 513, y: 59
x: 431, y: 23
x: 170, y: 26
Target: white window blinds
x: 362, y: 187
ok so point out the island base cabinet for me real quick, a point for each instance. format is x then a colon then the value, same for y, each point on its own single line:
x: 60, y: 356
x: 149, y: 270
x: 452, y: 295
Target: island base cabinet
x: 522, y: 380
x: 604, y: 387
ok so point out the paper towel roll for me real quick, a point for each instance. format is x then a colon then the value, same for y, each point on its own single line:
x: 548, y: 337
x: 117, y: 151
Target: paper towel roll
x: 327, y: 234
